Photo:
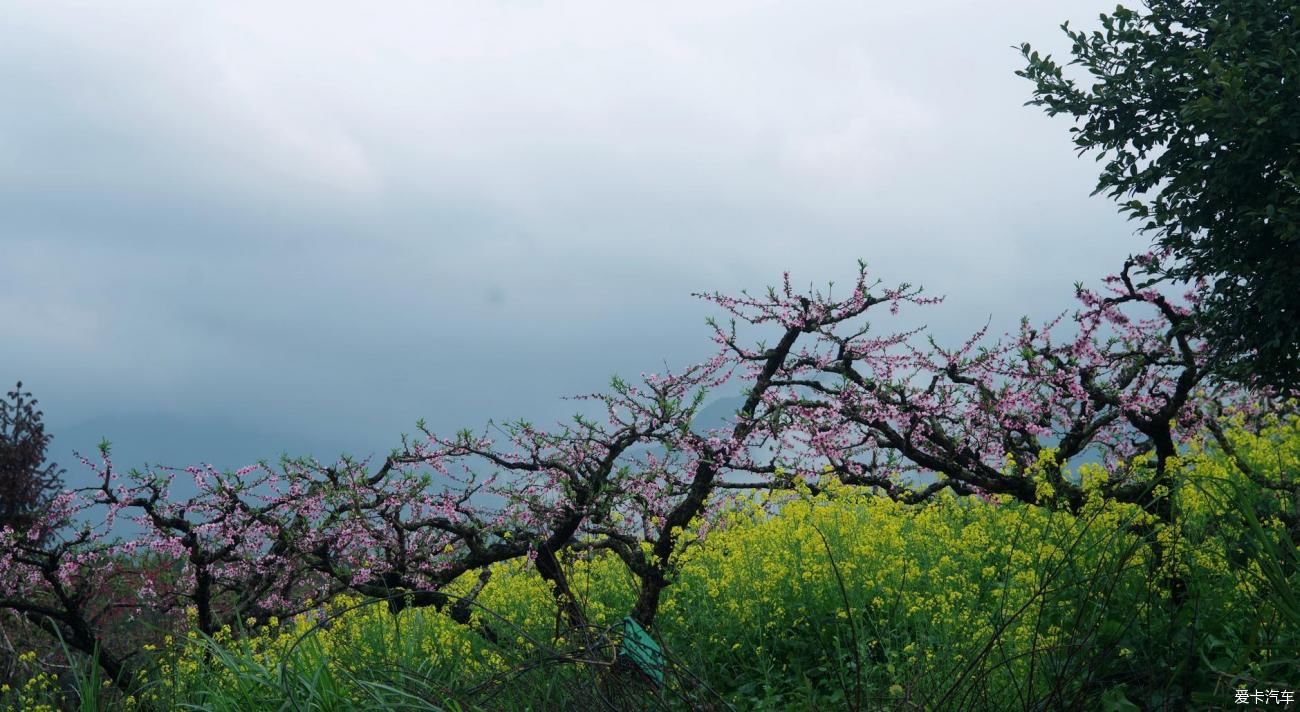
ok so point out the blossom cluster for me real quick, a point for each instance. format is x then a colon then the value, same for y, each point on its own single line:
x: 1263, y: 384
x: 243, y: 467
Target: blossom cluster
x: 259, y: 543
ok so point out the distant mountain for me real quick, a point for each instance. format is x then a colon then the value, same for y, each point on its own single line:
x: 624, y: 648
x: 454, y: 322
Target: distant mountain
x: 717, y: 414
x: 161, y: 439
x: 164, y: 440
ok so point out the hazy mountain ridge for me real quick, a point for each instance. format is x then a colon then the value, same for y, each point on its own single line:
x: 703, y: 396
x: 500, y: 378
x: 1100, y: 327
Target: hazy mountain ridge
x: 159, y: 439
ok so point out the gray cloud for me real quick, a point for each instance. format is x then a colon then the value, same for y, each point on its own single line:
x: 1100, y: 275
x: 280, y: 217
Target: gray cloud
x: 332, y: 222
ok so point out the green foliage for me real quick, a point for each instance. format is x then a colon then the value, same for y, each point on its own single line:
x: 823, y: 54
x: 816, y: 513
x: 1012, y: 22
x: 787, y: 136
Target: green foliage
x: 842, y: 600
x: 27, y: 481
x: 1193, y: 106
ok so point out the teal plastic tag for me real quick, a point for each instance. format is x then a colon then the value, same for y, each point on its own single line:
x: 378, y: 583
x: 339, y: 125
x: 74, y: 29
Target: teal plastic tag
x: 641, y: 649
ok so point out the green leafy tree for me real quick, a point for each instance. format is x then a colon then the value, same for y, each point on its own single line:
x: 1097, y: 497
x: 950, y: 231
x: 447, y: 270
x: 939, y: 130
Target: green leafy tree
x: 1195, y: 107
x: 27, y: 482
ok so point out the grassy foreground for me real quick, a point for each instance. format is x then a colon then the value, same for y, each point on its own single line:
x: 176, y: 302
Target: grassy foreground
x: 841, y: 600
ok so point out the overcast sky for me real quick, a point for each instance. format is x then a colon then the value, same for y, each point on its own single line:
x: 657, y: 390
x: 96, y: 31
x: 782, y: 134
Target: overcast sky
x: 328, y: 223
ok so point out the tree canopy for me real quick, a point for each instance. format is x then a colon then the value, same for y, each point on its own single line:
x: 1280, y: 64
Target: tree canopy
x: 27, y: 482
x: 1194, y: 110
